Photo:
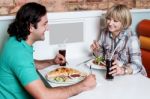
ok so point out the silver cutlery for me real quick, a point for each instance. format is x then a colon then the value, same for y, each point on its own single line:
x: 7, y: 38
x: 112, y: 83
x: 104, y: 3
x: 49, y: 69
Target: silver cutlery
x: 90, y: 69
x: 84, y: 62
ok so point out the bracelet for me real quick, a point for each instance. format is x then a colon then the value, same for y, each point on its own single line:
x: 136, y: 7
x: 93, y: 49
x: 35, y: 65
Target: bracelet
x: 125, y: 70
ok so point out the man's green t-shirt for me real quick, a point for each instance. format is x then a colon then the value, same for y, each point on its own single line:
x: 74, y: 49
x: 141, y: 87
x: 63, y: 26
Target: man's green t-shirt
x: 17, y: 69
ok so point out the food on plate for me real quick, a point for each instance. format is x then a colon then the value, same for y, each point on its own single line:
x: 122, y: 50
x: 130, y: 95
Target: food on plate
x: 64, y: 74
x: 61, y: 79
x: 99, y: 61
x: 63, y: 71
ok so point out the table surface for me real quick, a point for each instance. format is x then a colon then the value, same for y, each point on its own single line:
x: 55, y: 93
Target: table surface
x: 121, y: 87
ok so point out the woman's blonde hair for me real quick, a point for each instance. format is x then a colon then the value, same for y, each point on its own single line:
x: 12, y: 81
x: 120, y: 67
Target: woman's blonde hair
x: 121, y: 13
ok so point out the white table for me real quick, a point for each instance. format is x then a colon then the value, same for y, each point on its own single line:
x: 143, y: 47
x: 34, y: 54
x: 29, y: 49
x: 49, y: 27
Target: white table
x: 121, y: 87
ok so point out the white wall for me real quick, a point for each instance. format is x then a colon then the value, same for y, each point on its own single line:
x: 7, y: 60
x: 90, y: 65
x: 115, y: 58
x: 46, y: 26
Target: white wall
x: 91, y: 21
x: 3, y: 29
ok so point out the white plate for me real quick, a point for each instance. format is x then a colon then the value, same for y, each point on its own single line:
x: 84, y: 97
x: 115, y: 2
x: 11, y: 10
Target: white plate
x: 70, y: 81
x: 94, y: 66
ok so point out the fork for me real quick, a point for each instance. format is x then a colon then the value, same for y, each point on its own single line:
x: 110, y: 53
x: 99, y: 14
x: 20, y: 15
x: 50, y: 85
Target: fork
x: 84, y: 62
x: 90, y: 69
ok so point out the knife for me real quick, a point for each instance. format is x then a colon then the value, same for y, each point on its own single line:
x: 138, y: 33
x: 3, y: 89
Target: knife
x: 84, y: 62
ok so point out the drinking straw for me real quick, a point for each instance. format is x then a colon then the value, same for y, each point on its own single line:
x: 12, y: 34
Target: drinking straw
x: 115, y: 50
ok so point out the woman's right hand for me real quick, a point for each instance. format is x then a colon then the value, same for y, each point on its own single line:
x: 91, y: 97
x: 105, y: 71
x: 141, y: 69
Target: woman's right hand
x: 95, y: 46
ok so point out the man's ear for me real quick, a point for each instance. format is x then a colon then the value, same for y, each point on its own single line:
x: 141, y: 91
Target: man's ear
x: 31, y: 28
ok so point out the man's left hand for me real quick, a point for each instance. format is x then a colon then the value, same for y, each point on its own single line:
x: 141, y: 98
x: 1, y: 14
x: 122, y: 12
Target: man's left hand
x: 59, y: 59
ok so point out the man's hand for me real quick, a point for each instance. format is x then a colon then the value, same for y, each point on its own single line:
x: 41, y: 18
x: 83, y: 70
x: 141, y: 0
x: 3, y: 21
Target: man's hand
x: 59, y: 59
x: 89, y: 82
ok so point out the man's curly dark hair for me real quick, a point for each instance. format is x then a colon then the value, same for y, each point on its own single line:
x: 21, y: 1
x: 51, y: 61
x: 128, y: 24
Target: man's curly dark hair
x: 28, y: 14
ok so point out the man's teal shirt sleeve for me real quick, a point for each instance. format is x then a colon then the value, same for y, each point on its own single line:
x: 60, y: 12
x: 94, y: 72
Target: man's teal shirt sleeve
x: 24, y: 69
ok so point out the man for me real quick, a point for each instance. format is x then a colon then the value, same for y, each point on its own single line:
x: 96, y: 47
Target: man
x: 18, y: 76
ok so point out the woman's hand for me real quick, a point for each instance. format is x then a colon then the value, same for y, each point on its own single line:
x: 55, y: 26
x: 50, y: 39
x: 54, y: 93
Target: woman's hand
x: 117, y: 69
x: 95, y: 46
x: 59, y: 59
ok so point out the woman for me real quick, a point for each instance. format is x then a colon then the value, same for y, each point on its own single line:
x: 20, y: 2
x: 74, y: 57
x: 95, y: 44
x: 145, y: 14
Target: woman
x: 119, y: 40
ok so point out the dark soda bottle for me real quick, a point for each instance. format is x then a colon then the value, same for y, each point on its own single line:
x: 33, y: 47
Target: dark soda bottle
x: 108, y: 66
x: 63, y: 52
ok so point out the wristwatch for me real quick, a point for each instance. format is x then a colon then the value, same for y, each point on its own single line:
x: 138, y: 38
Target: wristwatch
x: 125, y: 70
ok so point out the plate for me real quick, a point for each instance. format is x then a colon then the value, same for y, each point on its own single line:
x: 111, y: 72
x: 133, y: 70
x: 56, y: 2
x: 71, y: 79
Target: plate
x: 70, y: 79
x: 95, y: 66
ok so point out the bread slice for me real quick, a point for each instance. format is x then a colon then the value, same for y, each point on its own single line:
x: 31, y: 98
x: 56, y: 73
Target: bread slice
x: 63, y: 71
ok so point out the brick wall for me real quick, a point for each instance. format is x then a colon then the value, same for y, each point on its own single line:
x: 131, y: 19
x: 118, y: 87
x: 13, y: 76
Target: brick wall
x: 11, y: 6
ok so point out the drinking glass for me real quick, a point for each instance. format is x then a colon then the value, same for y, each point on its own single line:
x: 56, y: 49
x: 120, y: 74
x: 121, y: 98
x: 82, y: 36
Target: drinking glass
x: 109, y: 61
x: 62, y: 51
